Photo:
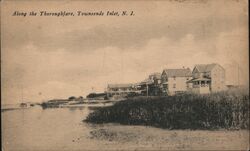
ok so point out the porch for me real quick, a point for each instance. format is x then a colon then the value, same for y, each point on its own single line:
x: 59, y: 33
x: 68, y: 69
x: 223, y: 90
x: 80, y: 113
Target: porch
x: 201, y: 85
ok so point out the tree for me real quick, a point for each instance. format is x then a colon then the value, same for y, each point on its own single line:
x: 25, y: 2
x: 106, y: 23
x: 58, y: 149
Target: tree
x: 72, y: 98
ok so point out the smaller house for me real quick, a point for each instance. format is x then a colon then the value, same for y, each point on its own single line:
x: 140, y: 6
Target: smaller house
x: 208, y: 78
x: 145, y: 85
x: 174, y: 81
x: 155, y: 77
x: 151, y: 85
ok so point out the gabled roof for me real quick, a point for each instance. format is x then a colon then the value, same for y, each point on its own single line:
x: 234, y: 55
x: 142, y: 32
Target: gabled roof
x: 178, y: 72
x: 205, y: 67
x: 150, y: 79
x: 147, y: 81
x: 156, y: 75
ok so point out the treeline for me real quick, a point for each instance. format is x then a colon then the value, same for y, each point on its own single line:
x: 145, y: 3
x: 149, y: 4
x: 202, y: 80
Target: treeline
x: 57, y: 102
x: 227, y: 110
x: 97, y: 95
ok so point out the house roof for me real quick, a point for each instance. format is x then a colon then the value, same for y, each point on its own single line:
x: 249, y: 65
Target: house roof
x: 178, y: 72
x: 205, y: 67
x: 147, y: 81
x: 156, y: 75
x: 120, y: 85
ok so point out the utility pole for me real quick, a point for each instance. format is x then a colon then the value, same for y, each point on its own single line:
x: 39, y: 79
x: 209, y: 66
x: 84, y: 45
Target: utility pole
x: 238, y: 74
x: 122, y: 72
x: 21, y: 93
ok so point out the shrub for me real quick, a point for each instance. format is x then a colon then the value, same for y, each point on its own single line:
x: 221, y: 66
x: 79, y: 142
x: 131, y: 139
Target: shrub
x: 95, y: 95
x: 189, y: 111
x: 72, y: 98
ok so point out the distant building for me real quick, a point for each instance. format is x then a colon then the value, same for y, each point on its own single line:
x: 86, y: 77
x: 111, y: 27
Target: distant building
x: 174, y: 81
x: 208, y: 78
x: 122, y: 90
x: 204, y: 78
x: 151, y: 85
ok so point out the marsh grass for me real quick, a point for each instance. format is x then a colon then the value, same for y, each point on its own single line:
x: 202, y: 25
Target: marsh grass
x: 226, y: 110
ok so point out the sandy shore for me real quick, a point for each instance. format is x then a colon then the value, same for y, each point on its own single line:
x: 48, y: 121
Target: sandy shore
x: 119, y: 137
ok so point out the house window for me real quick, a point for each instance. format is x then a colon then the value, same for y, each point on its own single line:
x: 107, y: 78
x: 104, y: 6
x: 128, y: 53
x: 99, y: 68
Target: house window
x: 174, y: 77
x: 187, y: 78
x: 174, y: 86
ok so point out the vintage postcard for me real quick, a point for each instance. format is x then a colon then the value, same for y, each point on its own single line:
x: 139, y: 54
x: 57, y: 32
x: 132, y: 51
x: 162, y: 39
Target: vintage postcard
x: 80, y: 75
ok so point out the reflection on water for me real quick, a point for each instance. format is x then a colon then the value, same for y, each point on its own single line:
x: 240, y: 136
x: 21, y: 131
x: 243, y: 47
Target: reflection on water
x: 38, y: 129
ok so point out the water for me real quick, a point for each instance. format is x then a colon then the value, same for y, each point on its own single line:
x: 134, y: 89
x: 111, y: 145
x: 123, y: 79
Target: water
x: 49, y: 129
x: 62, y: 129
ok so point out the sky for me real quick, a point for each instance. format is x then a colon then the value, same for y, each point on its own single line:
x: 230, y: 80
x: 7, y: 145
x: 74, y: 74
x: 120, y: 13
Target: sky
x: 47, y: 57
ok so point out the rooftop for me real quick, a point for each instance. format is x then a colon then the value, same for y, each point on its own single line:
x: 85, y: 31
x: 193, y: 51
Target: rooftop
x: 205, y: 67
x: 156, y: 75
x: 178, y: 72
x: 120, y: 85
x: 147, y: 81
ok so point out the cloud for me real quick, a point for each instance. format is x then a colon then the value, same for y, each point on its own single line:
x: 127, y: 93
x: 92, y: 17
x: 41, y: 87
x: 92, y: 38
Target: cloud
x: 203, y: 20
x: 60, y: 57
x: 65, y: 73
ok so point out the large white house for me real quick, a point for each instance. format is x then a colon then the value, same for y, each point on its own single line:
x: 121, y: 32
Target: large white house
x: 175, y: 81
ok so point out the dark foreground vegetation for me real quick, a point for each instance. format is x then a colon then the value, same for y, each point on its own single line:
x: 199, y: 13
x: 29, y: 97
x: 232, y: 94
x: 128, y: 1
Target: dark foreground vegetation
x: 226, y: 110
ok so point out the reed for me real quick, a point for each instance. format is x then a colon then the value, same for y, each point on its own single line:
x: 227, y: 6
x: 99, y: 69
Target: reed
x: 226, y: 110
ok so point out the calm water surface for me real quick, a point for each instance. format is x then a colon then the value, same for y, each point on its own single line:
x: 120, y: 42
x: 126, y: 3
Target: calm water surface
x: 49, y: 129
x: 62, y: 129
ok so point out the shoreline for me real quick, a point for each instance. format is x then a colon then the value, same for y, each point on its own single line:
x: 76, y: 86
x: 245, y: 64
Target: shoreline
x: 147, y: 137
x: 78, y: 105
x: 68, y: 129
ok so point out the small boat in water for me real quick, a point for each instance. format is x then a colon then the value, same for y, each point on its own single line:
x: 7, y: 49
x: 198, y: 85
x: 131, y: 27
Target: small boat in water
x: 23, y: 105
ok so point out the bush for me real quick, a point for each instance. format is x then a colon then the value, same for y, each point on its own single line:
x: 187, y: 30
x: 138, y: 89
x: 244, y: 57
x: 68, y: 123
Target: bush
x: 72, y: 98
x: 95, y: 95
x: 189, y: 111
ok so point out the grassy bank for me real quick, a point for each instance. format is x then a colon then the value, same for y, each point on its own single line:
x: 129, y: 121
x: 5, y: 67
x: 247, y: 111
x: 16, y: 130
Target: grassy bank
x: 148, y: 138
x: 227, y: 110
